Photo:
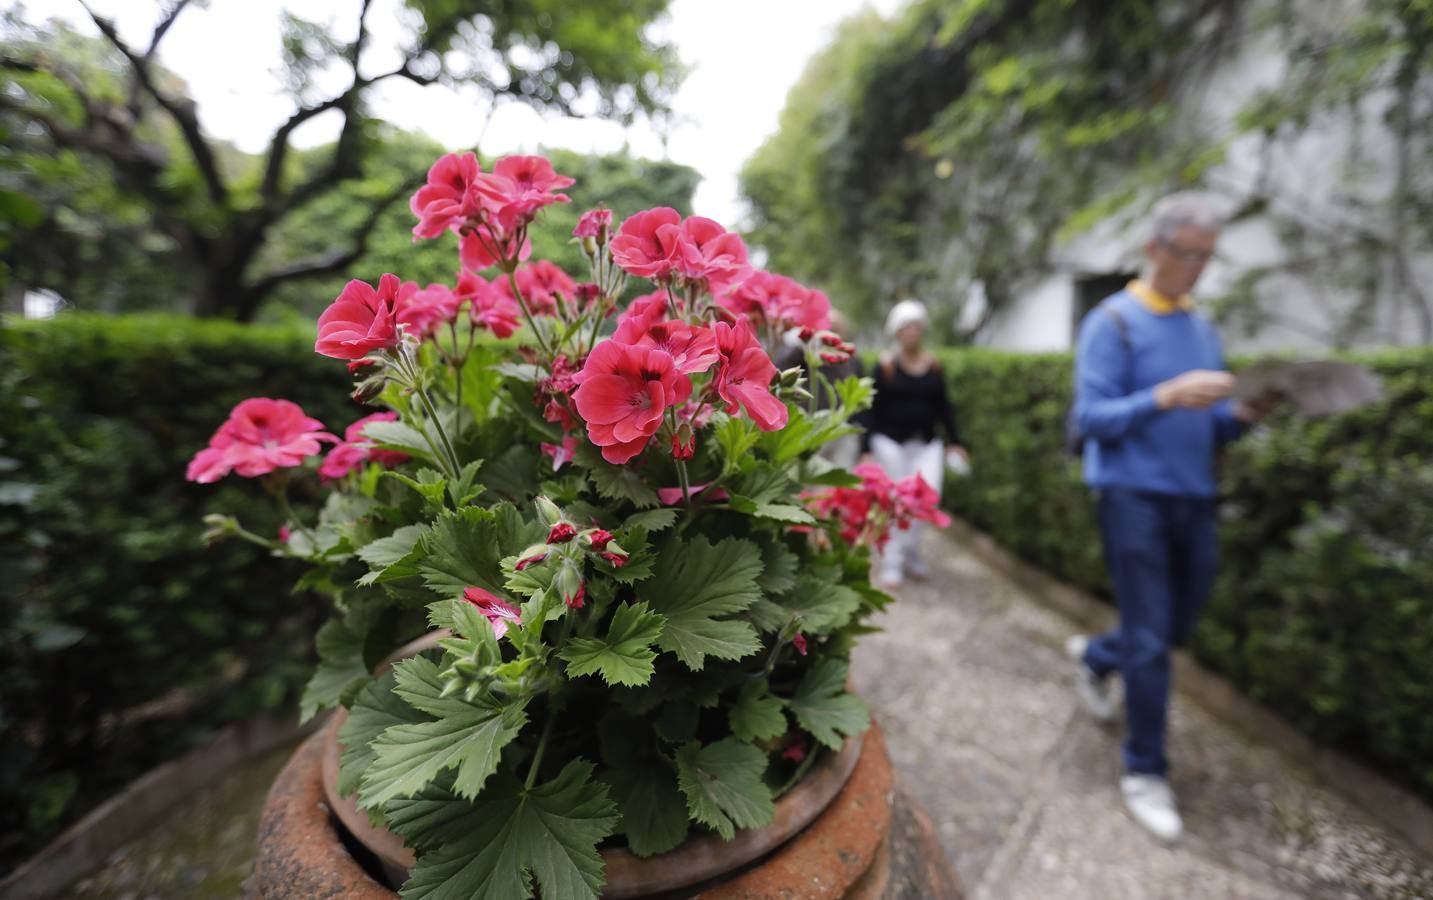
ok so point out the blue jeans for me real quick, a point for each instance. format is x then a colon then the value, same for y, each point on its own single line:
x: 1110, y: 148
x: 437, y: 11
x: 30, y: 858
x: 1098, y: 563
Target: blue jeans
x: 1161, y: 552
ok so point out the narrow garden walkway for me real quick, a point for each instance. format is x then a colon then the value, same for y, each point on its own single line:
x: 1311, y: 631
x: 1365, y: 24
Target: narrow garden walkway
x: 971, y: 685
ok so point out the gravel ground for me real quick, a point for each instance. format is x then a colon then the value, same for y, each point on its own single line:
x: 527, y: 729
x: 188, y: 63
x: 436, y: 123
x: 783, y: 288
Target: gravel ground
x: 972, y: 687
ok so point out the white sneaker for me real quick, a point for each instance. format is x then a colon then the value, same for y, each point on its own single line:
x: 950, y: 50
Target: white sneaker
x: 1095, y: 693
x: 1151, y: 801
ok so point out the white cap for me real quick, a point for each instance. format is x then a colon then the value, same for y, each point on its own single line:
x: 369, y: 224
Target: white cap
x: 905, y: 313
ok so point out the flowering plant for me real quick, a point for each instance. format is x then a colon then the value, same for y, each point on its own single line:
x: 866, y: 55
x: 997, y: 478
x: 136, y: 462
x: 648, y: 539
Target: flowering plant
x: 648, y: 578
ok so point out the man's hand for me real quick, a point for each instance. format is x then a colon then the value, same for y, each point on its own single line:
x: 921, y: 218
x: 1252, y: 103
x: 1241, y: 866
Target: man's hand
x: 1197, y: 389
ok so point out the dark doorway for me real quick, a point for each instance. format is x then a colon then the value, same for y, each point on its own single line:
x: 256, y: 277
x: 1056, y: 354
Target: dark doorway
x: 1092, y: 289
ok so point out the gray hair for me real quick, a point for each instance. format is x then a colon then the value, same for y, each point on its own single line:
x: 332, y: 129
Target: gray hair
x: 1186, y: 209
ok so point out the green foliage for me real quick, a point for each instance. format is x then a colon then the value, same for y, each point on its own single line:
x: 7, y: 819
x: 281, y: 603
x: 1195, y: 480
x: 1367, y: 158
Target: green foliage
x: 1322, y: 605
x: 626, y: 655
x: 111, y: 602
x: 697, y: 587
x: 723, y: 785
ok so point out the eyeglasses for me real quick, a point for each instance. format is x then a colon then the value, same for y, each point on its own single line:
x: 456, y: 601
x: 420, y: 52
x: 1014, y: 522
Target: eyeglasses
x: 1186, y: 254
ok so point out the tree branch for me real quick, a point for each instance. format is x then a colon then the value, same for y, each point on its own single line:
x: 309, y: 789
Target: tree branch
x: 279, y: 146
x: 181, y: 111
x: 160, y: 30
x: 336, y: 260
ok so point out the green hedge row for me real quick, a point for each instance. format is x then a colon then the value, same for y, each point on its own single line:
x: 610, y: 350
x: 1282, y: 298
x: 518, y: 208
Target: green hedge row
x: 1324, y: 604
x: 123, y: 640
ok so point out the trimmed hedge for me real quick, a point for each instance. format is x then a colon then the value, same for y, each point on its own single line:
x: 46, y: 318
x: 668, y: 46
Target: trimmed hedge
x: 1324, y: 604
x: 124, y: 641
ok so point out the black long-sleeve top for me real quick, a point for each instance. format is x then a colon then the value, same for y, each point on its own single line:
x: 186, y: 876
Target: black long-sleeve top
x: 909, y: 406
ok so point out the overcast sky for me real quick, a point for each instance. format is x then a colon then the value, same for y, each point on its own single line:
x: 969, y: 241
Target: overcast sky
x: 744, y: 55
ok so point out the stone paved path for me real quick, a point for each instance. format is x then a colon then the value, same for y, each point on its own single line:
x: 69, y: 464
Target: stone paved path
x: 972, y: 687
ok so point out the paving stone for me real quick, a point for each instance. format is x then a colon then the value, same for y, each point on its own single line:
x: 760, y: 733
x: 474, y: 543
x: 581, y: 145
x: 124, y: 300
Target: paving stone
x: 972, y: 688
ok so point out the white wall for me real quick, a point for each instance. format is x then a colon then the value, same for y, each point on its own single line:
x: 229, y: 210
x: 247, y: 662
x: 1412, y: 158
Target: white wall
x: 1041, y: 320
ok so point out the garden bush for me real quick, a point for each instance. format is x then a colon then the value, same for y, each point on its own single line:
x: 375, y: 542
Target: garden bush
x: 1324, y: 604
x: 124, y: 641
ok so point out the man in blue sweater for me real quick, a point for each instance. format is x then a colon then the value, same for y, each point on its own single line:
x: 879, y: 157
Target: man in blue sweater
x: 1151, y: 401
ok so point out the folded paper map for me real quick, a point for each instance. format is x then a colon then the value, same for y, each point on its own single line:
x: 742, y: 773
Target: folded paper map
x: 1314, y: 387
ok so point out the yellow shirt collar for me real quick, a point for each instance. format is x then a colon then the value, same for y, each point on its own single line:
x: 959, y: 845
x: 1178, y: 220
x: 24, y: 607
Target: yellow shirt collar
x: 1158, y: 303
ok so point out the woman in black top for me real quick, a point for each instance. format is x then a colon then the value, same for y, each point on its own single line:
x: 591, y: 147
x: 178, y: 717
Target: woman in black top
x: 905, y: 427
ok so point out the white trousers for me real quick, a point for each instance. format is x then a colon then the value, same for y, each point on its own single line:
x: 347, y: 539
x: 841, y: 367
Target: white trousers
x: 924, y: 458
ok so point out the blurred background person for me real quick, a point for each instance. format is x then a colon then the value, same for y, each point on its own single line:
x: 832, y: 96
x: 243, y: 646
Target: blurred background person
x: 1151, y: 403
x: 910, y: 429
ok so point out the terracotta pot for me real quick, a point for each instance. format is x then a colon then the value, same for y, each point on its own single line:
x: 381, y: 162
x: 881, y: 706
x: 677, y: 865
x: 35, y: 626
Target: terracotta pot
x: 840, y: 853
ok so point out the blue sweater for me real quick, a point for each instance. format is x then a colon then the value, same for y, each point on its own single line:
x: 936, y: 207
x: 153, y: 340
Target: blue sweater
x: 1130, y: 442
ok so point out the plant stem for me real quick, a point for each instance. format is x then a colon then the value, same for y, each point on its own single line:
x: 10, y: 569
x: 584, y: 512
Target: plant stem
x: 541, y: 746
x: 289, y: 513
x: 415, y: 381
x: 527, y: 314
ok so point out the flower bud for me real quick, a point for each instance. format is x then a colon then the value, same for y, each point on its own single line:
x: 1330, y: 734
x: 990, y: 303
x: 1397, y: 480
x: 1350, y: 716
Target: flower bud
x: 561, y: 533
x: 830, y: 338
x: 798, y: 640
x: 531, y: 556
x: 790, y: 377
x: 615, y: 559
x: 833, y: 359
x: 219, y: 528
x: 547, y: 511
x: 596, y: 539
x: 571, y: 586
x: 807, y: 332
x: 684, y: 442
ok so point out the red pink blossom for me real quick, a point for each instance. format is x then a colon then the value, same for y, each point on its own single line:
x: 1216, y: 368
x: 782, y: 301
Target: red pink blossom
x: 259, y: 436
x: 356, y: 449
x: 543, y: 285
x: 488, y: 307
x: 360, y: 320
x: 593, y: 223
x: 744, y: 377
x: 646, y: 245
x: 449, y: 199
x: 622, y: 393
x: 496, y: 610
x: 427, y: 309
x: 767, y: 298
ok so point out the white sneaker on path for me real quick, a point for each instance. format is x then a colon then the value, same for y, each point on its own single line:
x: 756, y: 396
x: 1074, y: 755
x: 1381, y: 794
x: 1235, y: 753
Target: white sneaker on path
x: 1096, y: 694
x: 1150, y: 800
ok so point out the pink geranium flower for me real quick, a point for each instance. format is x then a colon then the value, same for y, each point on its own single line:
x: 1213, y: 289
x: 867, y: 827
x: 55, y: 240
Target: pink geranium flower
x: 707, y: 251
x: 425, y: 310
x: 496, y: 610
x: 765, y: 297
x: 671, y: 496
x: 692, y: 348
x: 646, y: 310
x: 647, y: 243
x: 484, y: 246
x: 259, y: 436
x: 356, y: 449
x: 593, y: 223
x: 622, y: 392
x: 449, y: 199
x: 543, y: 284
x: 744, y: 377
x: 488, y: 307
x: 561, y: 454
x: 360, y: 320
x: 518, y: 187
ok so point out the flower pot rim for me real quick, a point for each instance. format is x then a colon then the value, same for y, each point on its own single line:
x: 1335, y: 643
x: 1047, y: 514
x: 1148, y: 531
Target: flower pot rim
x: 697, y: 859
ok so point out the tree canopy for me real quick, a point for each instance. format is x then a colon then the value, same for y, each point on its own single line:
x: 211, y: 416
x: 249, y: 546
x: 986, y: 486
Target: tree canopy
x: 99, y: 126
x: 954, y: 145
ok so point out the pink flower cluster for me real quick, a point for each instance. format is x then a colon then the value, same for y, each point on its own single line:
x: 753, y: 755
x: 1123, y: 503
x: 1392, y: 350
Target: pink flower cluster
x: 629, y: 382
x: 355, y: 450
x: 490, y: 211
x: 659, y: 244
x: 259, y: 436
x: 778, y: 301
x: 867, y: 513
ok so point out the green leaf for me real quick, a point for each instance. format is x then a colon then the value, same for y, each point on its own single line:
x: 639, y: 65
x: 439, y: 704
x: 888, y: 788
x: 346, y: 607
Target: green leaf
x: 430, y: 485
x: 824, y: 708
x: 513, y: 474
x: 736, y: 437
x: 654, y: 813
x: 695, y: 582
x: 778, y: 568
x: 393, y: 556
x: 821, y: 605
x: 626, y: 655
x: 340, y: 669
x: 436, y: 816
x: 399, y: 436
x: 374, y: 709
x: 757, y: 715
x: 466, y: 489
x: 784, y: 512
x: 723, y: 785
x: 653, y: 520
x: 466, y: 548
x: 640, y: 558
x: 616, y: 482
x: 468, y: 735
x: 549, y: 833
